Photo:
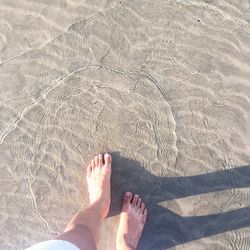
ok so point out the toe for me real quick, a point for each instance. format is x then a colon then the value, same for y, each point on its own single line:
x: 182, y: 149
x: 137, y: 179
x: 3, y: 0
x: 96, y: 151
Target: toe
x: 89, y: 170
x: 93, y: 164
x: 127, y: 197
x: 96, y: 161
x: 100, y: 160
x: 142, y: 207
x: 139, y: 203
x: 144, y: 215
x: 108, y: 160
x: 135, y: 199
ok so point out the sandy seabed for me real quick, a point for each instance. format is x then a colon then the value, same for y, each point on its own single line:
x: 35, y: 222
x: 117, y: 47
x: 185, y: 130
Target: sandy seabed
x: 162, y: 85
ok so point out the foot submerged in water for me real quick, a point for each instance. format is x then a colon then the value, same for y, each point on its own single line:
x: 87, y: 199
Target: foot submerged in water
x: 133, y: 214
x: 132, y: 221
x: 98, y: 180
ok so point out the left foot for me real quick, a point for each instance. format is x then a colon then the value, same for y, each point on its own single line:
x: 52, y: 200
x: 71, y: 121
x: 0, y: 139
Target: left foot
x: 98, y: 179
x: 132, y: 221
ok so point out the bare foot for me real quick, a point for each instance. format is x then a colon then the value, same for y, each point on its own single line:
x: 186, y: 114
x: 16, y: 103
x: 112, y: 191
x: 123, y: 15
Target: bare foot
x: 98, y: 179
x: 132, y: 221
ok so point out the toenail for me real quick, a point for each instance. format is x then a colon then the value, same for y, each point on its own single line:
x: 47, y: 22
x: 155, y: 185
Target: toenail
x: 106, y: 155
x: 127, y: 194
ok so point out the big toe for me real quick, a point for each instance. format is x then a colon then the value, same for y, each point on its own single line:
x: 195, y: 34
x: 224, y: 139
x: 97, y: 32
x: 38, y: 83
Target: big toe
x: 127, y: 197
x: 107, y: 160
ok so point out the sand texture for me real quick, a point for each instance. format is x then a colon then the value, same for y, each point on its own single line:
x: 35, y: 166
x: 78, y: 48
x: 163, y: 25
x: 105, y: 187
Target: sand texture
x: 162, y: 85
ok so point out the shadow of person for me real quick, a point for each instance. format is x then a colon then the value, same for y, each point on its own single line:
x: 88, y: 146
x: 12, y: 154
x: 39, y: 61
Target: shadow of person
x: 164, y: 228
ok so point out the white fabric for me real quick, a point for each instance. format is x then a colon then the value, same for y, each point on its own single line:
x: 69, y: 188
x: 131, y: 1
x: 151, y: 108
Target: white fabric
x: 54, y: 245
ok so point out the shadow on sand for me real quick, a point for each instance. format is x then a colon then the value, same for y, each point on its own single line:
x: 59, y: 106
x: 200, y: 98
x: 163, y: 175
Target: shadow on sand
x: 164, y: 228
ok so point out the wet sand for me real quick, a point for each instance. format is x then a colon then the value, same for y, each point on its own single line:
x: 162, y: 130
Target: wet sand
x: 162, y: 85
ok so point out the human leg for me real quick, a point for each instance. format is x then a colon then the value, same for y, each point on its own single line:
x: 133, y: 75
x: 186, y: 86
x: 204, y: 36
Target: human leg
x: 84, y: 228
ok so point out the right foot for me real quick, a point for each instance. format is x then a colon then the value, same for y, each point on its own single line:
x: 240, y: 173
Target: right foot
x: 132, y: 221
x: 98, y: 179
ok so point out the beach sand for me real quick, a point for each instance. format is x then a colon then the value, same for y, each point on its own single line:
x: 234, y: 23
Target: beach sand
x: 164, y: 86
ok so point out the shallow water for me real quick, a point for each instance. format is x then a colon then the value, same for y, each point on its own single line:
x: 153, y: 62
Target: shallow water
x: 163, y: 85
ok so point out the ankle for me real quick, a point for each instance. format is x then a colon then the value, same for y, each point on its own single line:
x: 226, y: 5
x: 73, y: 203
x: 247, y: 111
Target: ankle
x: 97, y: 208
